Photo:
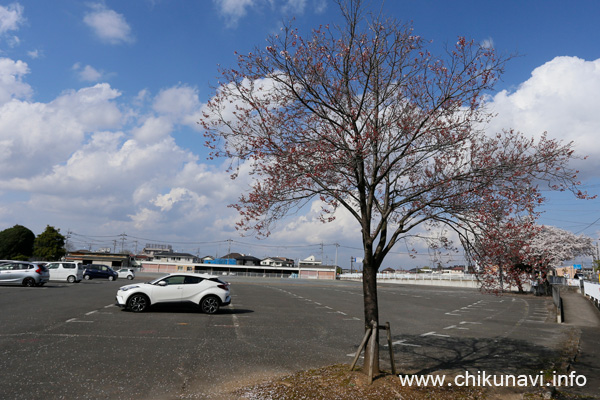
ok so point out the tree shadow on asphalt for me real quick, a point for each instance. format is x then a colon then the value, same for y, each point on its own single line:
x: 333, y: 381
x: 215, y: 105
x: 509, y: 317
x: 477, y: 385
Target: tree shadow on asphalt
x: 426, y: 355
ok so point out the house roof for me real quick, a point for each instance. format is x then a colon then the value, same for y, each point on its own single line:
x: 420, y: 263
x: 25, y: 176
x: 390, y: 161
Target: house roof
x: 173, y: 254
x: 233, y: 255
x: 278, y: 258
x: 248, y: 258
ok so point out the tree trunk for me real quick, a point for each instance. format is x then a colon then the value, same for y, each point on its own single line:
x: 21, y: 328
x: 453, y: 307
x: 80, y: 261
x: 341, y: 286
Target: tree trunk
x: 371, y: 309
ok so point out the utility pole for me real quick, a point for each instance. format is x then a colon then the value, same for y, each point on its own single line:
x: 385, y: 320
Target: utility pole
x: 321, y: 252
x: 336, y: 253
x: 67, y: 240
x: 123, y: 235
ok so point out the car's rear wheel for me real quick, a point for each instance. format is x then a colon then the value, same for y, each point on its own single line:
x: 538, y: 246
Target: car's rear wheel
x: 138, y: 303
x: 111, y: 278
x: 29, y: 282
x: 71, y: 279
x: 210, y: 304
x: 130, y: 277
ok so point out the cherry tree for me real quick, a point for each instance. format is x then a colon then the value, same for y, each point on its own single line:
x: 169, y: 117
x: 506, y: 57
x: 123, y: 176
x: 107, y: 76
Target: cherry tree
x: 509, y: 253
x: 364, y: 117
x: 552, y: 246
x: 501, y: 253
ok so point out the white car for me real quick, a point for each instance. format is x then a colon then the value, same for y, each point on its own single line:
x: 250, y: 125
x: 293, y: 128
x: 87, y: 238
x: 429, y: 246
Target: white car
x: 207, y: 291
x: 126, y: 273
x: 65, y: 271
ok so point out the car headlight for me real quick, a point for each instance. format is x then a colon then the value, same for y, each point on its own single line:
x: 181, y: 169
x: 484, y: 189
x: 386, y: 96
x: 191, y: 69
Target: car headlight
x: 126, y: 288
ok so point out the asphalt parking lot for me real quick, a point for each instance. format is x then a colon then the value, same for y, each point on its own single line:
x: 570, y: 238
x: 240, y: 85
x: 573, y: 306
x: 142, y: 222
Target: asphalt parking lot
x: 71, y: 341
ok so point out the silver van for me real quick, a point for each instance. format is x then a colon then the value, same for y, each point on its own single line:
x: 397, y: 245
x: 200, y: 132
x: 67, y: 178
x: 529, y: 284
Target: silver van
x: 69, y: 271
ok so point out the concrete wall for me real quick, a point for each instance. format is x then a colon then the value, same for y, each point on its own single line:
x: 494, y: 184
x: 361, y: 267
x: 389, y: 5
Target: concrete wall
x: 316, y: 274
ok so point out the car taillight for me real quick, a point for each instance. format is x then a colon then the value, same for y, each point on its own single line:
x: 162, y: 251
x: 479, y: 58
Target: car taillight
x: 39, y: 271
x: 223, y: 286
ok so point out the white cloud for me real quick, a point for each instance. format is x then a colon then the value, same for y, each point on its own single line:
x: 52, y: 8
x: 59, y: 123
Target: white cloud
x: 309, y: 226
x: 87, y: 73
x: 11, y: 80
x: 176, y: 195
x: 78, y: 158
x: 179, y: 103
x: 561, y: 97
x: 294, y: 7
x: 152, y: 130
x: 233, y: 10
x: 319, y: 6
x: 110, y: 26
x: 11, y: 17
x: 487, y: 43
x: 35, y: 136
x: 34, y: 54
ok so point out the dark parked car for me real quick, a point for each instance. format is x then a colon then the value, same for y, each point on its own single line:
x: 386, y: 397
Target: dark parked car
x: 98, y: 271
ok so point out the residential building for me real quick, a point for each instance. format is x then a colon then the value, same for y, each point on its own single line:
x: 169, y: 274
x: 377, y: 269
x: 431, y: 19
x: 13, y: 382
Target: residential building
x: 152, y: 249
x: 175, y: 257
x: 277, y: 262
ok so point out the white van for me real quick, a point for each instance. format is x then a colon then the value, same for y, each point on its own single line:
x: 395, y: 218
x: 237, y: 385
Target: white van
x: 65, y: 271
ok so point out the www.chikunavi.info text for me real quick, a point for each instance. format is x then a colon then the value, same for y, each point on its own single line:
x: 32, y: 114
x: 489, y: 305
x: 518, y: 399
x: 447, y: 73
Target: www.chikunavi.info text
x: 483, y: 379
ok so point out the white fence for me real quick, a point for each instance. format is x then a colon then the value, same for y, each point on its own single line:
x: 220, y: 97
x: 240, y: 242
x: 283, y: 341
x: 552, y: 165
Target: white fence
x: 592, y: 290
x: 415, y: 277
x: 461, y: 280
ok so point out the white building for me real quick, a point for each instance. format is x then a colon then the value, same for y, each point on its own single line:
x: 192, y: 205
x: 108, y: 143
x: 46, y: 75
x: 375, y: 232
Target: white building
x: 310, y: 261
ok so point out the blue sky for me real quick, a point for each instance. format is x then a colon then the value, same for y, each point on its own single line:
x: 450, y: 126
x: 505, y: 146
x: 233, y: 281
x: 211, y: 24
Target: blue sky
x: 99, y: 102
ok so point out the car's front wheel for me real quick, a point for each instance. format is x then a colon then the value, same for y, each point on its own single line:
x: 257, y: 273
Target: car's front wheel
x: 86, y: 277
x: 111, y: 278
x: 138, y: 303
x: 130, y: 277
x: 210, y: 304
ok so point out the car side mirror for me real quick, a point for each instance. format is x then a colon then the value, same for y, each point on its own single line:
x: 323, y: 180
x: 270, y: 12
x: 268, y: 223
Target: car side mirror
x: 162, y: 283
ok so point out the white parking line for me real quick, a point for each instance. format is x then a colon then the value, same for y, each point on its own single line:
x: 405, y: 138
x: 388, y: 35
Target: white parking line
x: 455, y: 327
x: 434, y: 334
x: 401, y: 342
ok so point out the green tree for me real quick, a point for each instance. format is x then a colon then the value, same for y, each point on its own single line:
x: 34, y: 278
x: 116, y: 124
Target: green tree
x: 16, y: 243
x: 49, y: 245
